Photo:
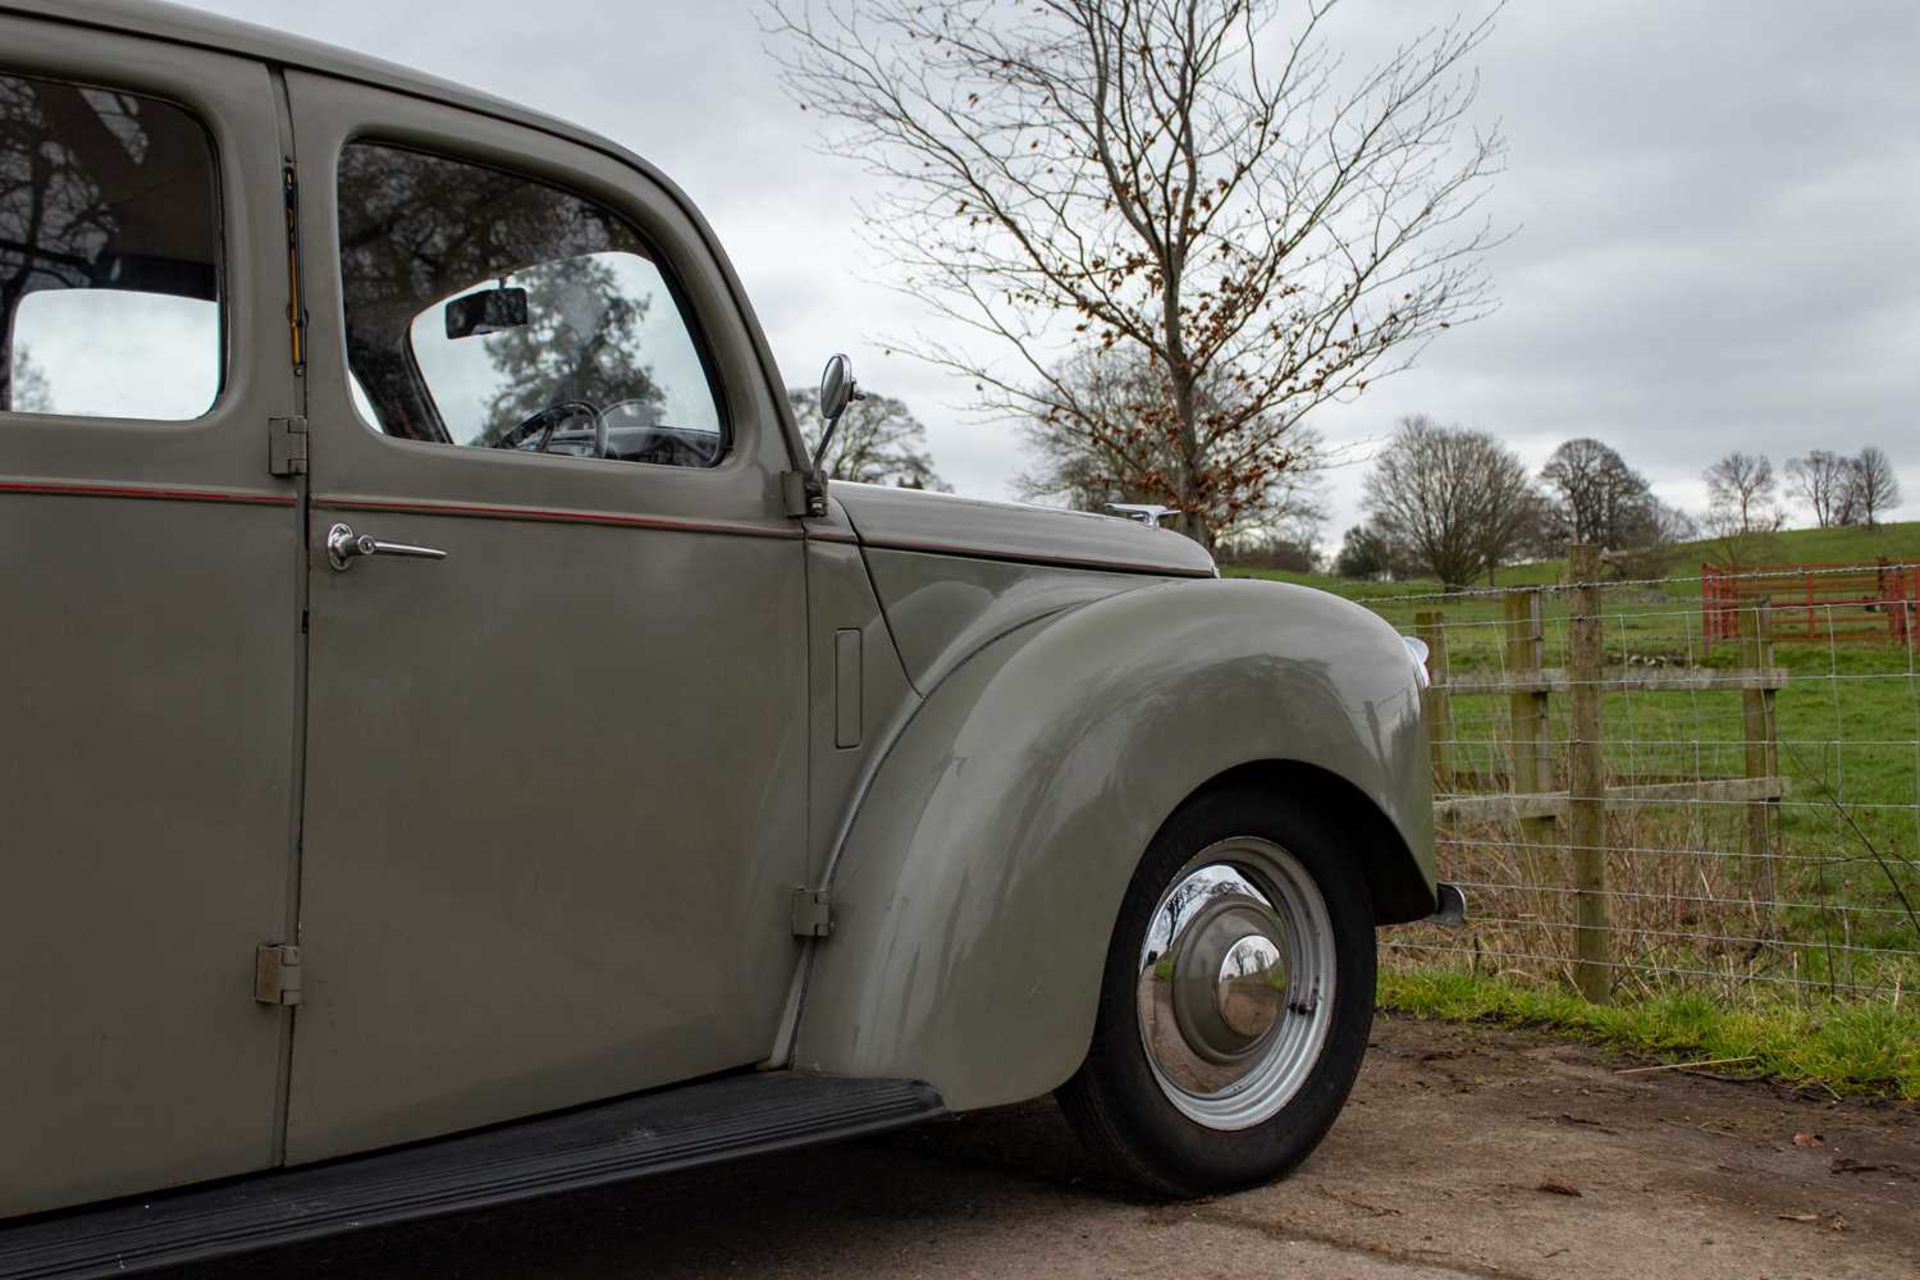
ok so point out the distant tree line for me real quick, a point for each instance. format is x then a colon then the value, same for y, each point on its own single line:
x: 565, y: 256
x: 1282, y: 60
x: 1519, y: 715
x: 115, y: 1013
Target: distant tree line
x: 1839, y: 491
x: 879, y: 441
x: 1455, y: 504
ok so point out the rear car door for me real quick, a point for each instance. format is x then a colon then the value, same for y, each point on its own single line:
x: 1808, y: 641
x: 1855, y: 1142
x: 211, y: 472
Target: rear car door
x: 554, y: 801
x: 148, y: 613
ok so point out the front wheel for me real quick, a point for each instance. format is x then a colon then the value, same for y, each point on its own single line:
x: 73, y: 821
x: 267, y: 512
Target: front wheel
x: 1236, y: 1002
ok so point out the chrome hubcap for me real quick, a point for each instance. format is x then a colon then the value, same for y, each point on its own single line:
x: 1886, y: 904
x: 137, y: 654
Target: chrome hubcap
x: 1236, y: 983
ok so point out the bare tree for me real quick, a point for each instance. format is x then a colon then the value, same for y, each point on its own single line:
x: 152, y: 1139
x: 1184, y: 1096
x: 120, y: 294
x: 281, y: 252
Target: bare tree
x: 1452, y: 502
x: 1820, y: 479
x: 1118, y: 390
x: 1740, y: 490
x: 879, y: 441
x: 1129, y: 460
x: 1872, y: 486
x: 1598, y: 498
x: 1159, y: 176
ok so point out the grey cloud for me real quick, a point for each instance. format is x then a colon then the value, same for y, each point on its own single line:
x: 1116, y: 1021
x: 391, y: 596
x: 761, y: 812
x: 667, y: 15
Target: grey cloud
x: 1716, y: 245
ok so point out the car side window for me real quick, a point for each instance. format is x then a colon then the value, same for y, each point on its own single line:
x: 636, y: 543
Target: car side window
x: 110, y: 287
x: 491, y: 310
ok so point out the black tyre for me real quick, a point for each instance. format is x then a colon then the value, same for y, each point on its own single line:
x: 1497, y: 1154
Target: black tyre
x: 1237, y: 998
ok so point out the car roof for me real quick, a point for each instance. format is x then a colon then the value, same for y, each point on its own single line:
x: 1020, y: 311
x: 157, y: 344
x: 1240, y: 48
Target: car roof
x: 204, y: 30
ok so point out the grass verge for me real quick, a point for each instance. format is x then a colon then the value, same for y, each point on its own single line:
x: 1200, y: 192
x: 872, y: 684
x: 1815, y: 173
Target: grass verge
x: 1855, y: 1049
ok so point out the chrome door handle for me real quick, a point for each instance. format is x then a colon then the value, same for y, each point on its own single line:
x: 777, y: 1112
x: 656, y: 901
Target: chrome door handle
x: 343, y: 544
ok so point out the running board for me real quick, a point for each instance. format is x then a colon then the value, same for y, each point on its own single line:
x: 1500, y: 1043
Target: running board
x: 678, y: 1128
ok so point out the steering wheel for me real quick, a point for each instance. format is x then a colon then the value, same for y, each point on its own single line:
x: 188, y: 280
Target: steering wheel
x: 551, y: 417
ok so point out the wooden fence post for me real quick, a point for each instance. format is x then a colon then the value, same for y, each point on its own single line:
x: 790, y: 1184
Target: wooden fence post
x: 1431, y: 627
x: 1530, y: 732
x: 1762, y: 751
x: 1586, y: 778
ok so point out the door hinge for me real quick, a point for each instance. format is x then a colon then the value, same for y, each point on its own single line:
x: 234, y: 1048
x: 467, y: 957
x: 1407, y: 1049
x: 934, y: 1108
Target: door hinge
x: 803, y: 494
x: 812, y: 913
x: 276, y: 974
x: 287, y: 446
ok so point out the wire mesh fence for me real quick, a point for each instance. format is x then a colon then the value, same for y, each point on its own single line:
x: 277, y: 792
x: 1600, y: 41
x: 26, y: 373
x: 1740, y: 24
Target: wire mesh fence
x: 1690, y: 783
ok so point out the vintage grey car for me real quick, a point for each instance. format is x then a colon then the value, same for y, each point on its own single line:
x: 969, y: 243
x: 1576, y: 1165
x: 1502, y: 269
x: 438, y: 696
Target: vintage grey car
x: 456, y: 746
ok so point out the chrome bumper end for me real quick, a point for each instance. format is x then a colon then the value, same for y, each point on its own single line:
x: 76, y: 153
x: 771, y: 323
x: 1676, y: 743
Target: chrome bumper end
x: 1451, y: 909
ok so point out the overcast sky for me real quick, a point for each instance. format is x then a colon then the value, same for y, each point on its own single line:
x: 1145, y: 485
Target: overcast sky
x: 1715, y: 206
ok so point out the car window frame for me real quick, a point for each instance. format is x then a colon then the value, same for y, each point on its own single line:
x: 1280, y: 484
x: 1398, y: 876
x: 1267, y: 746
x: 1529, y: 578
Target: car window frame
x: 744, y: 493
x: 223, y: 205
x: 235, y: 98
x: 662, y: 260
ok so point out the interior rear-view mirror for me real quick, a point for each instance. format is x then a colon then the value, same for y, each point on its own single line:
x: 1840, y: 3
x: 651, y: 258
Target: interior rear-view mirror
x: 489, y: 311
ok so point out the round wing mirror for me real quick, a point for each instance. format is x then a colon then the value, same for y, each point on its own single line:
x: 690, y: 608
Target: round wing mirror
x: 836, y: 388
x: 837, y: 391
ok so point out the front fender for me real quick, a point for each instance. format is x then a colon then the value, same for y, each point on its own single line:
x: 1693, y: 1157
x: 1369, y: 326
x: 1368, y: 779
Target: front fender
x: 976, y: 889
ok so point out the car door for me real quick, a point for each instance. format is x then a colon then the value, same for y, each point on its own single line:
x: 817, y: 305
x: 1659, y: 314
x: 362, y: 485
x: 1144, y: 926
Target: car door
x: 555, y: 777
x: 149, y: 613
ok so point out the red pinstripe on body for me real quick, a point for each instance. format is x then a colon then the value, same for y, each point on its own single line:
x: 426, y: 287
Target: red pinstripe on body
x: 163, y: 493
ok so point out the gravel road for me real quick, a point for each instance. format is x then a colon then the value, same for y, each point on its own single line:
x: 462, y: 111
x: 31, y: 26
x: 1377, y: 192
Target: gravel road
x: 1465, y: 1152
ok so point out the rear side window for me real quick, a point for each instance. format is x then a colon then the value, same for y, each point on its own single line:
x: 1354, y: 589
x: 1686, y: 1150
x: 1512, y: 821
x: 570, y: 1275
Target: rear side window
x: 109, y: 254
x: 491, y: 310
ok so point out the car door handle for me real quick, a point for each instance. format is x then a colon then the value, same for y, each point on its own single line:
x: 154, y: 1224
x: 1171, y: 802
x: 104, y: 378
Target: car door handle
x: 343, y: 545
